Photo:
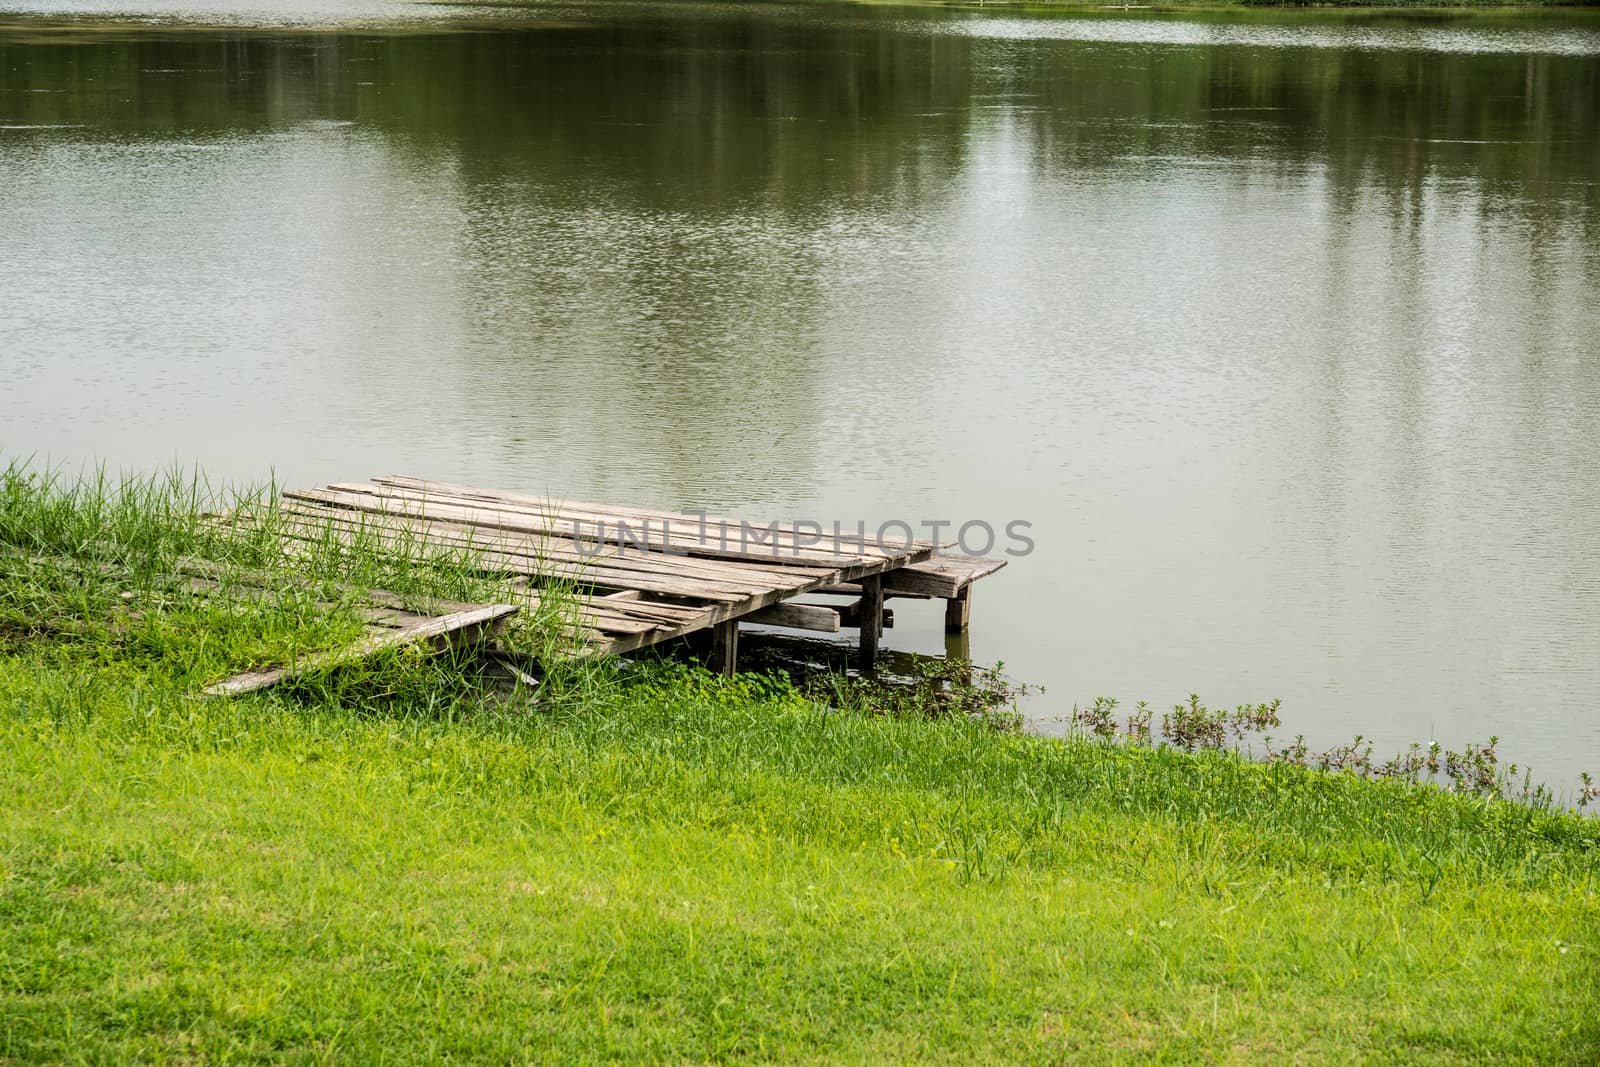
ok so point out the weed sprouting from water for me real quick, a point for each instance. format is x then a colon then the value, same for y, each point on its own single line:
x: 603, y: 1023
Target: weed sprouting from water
x: 1191, y: 726
x: 904, y: 685
x: 937, y: 689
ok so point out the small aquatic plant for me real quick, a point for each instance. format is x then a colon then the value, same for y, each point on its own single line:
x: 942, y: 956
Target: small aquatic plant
x: 904, y: 685
x: 1475, y: 770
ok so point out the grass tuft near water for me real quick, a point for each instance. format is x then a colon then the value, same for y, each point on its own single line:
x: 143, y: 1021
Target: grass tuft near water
x: 401, y: 865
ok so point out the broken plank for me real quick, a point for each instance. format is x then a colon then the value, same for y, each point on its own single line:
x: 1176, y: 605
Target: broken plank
x: 941, y: 576
x: 460, y: 628
x: 797, y: 617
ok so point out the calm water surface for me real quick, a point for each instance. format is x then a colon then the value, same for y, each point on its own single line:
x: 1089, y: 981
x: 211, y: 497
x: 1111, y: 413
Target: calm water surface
x: 1284, y: 333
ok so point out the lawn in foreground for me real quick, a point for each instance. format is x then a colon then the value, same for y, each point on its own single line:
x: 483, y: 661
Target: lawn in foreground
x: 687, y: 869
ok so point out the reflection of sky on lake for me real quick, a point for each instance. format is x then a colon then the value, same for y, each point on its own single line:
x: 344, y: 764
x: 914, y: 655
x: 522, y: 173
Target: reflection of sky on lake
x: 1393, y: 32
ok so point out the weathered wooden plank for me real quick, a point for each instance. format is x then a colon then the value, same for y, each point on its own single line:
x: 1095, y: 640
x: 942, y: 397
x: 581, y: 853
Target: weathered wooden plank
x: 662, y: 613
x: 595, y: 575
x: 423, y: 605
x: 797, y: 617
x: 713, y: 614
x: 616, y: 618
x: 465, y: 627
x: 941, y: 576
x: 530, y: 520
x: 392, y: 618
x: 854, y: 589
x: 790, y: 533
x: 410, y: 528
x: 557, y: 558
x: 611, y: 624
x: 787, y: 546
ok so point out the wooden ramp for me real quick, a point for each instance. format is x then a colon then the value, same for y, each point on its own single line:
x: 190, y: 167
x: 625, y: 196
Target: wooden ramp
x: 650, y: 575
x: 387, y: 627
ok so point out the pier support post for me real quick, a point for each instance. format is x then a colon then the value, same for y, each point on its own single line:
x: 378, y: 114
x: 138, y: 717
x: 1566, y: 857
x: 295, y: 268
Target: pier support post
x: 957, y: 611
x: 871, y: 619
x: 724, y: 656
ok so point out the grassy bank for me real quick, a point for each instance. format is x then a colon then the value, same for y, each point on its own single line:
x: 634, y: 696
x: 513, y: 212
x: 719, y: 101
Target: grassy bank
x: 401, y: 865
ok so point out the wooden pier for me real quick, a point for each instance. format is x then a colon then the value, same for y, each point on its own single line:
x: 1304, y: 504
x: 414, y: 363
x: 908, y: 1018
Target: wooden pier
x: 647, y: 575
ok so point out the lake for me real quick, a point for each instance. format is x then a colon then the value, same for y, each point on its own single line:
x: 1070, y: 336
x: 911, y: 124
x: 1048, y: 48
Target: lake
x: 1282, y: 331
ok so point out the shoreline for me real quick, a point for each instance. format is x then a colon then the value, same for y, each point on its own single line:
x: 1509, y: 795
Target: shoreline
x: 400, y: 860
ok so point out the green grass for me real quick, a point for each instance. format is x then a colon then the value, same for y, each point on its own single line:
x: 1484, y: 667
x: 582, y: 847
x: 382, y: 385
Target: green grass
x: 193, y: 584
x: 655, y: 864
